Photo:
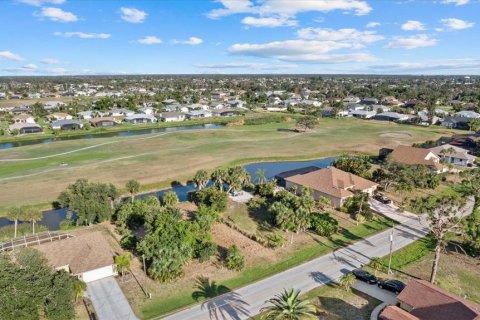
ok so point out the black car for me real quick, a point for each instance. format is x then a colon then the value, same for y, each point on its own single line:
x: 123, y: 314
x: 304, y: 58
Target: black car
x: 391, y: 285
x: 364, y: 276
x: 381, y: 198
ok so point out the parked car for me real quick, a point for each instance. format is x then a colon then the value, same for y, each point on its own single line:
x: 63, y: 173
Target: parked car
x: 364, y: 276
x: 381, y: 198
x: 391, y: 285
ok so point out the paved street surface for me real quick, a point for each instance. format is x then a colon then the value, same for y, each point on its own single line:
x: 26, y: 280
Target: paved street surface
x: 109, y: 301
x: 249, y: 300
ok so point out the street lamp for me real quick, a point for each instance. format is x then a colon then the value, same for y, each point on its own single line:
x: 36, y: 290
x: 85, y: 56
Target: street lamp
x: 391, y: 249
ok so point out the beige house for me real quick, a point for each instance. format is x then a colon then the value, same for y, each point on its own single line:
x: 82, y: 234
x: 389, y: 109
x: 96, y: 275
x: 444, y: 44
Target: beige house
x: 417, y: 156
x: 88, y: 256
x: 24, y: 118
x: 331, y: 183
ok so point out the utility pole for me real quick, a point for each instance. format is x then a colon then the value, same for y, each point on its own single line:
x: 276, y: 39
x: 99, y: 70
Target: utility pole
x: 391, y: 249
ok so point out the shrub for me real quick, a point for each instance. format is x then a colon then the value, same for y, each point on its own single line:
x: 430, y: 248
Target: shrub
x: 235, y: 260
x: 204, y: 250
x: 210, y: 197
x: 266, y: 189
x: 170, y: 199
x: 323, y: 224
x: 129, y: 241
x: 276, y: 240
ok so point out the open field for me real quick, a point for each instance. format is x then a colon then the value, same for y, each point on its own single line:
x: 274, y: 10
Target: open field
x: 43, y: 171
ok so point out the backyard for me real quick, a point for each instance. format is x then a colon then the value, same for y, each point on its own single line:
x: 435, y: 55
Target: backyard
x: 157, y: 159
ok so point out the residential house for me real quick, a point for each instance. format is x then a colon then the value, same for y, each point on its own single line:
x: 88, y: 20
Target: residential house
x: 140, y: 118
x: 331, y: 183
x: 236, y: 104
x: 351, y: 99
x: 454, y: 155
x: 25, y: 128
x: 146, y: 110
x: 225, y: 113
x: 66, y: 125
x: 24, y: 118
x: 197, y: 114
x: 20, y: 110
x: 417, y: 156
x: 355, y: 107
x: 87, y: 115
x: 103, y: 122
x: 421, y: 300
x: 460, y: 120
x: 121, y: 112
x: 59, y: 116
x: 172, y: 116
x: 369, y: 101
x: 391, y: 116
x: 362, y: 114
x: 88, y: 256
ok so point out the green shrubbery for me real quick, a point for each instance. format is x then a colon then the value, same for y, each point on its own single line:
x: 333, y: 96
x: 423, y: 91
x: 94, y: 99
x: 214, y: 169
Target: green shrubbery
x: 234, y: 260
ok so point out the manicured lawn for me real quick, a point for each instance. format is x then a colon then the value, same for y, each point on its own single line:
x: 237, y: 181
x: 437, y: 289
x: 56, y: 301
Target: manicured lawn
x: 156, y: 159
x: 162, y: 306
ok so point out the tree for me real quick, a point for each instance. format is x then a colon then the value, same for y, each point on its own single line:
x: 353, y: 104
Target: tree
x: 237, y: 178
x: 15, y: 214
x: 133, y: 186
x: 59, y: 301
x: 211, y: 197
x: 307, y: 122
x: 32, y: 214
x: 123, y: 262
x: 79, y: 288
x: 358, y: 207
x: 289, y: 306
x: 234, y: 260
x: 201, y: 179
x: 356, y: 164
x: 170, y: 199
x: 347, y: 281
x: 323, y: 224
x: 219, y: 176
x: 474, y: 124
x: 92, y: 202
x: 376, y: 264
x: 443, y: 217
x: 260, y: 176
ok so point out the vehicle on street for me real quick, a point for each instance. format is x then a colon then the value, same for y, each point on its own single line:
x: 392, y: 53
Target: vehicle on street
x: 364, y: 276
x: 391, y: 285
x: 381, y: 198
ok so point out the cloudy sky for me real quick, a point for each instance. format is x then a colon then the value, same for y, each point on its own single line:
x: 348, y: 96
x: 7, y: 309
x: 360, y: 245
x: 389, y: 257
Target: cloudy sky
x: 239, y: 36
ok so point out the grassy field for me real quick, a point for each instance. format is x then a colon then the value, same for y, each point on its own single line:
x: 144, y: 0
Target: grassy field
x: 43, y: 171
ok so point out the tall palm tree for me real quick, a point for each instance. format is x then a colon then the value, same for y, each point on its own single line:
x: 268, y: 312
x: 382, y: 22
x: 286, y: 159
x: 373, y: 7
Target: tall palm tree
x: 347, y: 281
x: 79, y: 288
x: 288, y: 306
x: 261, y: 176
x: 34, y: 215
x: 15, y: 214
x: 201, y: 179
x: 133, y: 186
x: 218, y: 177
x: 123, y: 262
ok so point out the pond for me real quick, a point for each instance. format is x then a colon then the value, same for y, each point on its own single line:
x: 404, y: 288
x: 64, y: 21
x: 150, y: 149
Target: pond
x: 128, y: 133
x: 52, y: 218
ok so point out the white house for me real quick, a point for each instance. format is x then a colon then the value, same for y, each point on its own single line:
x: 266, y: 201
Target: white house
x: 172, y: 116
x: 453, y: 155
x: 60, y: 116
x: 24, y: 118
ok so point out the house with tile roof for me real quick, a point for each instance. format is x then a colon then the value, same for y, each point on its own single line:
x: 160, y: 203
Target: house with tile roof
x: 417, y: 157
x: 454, y: 155
x: 331, y: 183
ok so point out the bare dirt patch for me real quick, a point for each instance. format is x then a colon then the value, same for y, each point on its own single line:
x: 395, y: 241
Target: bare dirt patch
x: 396, y: 135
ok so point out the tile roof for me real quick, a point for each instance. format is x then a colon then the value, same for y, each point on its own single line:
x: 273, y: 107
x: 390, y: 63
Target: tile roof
x: 430, y: 302
x: 81, y: 253
x: 395, y: 313
x: 414, y: 156
x: 332, y: 181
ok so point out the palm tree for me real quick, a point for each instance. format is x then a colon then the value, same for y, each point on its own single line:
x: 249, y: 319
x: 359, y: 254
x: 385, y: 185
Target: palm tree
x: 288, y: 306
x: 201, y: 178
x: 33, y: 215
x: 123, y: 262
x: 15, y: 214
x: 347, y: 281
x: 376, y: 264
x: 260, y: 176
x: 133, y: 186
x: 79, y: 288
x: 218, y: 177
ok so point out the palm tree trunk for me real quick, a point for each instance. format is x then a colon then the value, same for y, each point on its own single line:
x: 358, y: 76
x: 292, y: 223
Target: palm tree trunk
x: 33, y: 226
x: 438, y: 248
x: 16, y: 222
x: 132, y: 197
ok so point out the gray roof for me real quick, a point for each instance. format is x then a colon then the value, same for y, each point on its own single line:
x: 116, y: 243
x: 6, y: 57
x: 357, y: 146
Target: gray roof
x: 467, y: 114
x: 60, y: 123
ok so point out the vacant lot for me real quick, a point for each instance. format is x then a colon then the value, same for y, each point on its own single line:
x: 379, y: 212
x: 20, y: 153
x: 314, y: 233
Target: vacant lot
x: 43, y: 171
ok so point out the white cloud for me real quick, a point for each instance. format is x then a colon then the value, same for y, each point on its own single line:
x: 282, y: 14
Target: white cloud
x: 300, y: 51
x: 193, y: 41
x: 269, y: 22
x: 30, y: 67
x: 49, y: 61
x: 412, y: 25
x: 8, y: 55
x: 412, y: 42
x: 285, y: 9
x: 57, y: 14
x: 456, y: 2
x: 133, y: 15
x: 245, y: 65
x: 39, y: 3
x: 149, y: 40
x: 357, y: 38
x: 83, y: 35
x: 457, y: 24
x: 373, y: 24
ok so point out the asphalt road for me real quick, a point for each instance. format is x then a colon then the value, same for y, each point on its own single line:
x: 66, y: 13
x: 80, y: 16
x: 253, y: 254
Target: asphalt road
x: 109, y: 301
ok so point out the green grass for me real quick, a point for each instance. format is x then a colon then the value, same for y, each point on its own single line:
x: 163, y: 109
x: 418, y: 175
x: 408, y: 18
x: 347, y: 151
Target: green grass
x: 156, y: 308
x: 410, y: 253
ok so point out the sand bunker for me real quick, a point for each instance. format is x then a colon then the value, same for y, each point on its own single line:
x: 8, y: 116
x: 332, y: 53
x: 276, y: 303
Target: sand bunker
x: 396, y: 135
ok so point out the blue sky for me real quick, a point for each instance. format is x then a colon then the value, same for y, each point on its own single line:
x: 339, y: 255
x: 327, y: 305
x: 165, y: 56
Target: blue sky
x: 55, y: 37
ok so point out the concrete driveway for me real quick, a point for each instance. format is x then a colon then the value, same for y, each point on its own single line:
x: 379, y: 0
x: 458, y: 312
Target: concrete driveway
x: 109, y: 301
x: 374, y: 291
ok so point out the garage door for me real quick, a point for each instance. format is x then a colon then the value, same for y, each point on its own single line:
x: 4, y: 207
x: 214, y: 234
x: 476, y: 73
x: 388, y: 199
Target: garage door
x: 97, y: 274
